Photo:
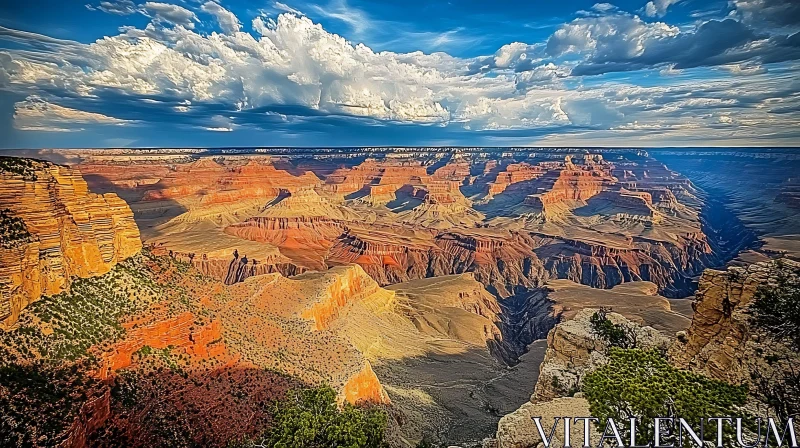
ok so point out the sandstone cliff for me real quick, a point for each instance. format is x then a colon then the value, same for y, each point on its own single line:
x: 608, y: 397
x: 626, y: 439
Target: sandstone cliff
x: 572, y: 352
x: 70, y: 232
x: 721, y: 342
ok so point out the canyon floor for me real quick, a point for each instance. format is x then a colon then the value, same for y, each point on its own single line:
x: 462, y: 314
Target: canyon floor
x: 423, y: 280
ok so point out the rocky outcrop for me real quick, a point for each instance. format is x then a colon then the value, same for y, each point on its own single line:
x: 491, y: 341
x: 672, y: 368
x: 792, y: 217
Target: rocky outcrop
x: 364, y: 387
x: 72, y: 233
x: 721, y: 342
x: 669, y: 265
x: 346, y: 181
x: 517, y: 429
x: 514, y: 173
x: 296, y: 323
x: 337, y: 288
x: 216, y: 183
x: 92, y: 415
x: 573, y: 351
x: 181, y: 333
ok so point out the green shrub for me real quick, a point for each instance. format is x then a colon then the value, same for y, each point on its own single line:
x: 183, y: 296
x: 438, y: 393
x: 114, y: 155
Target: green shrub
x: 615, y: 335
x: 12, y: 230
x: 775, y: 309
x: 23, y: 167
x: 641, y: 384
x: 310, y: 418
x: 776, y: 305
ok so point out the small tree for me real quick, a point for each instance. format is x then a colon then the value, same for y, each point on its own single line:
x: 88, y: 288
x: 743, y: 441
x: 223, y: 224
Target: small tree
x: 615, y: 335
x: 775, y: 309
x: 776, y: 305
x: 641, y: 384
x: 310, y: 418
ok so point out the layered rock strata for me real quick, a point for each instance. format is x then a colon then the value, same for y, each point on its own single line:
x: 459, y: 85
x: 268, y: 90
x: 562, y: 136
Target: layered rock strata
x: 72, y: 233
x: 722, y: 342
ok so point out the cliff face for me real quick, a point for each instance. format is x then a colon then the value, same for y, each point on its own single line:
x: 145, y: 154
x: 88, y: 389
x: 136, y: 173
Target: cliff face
x: 179, y: 332
x: 515, y: 220
x: 339, y: 287
x: 721, y: 343
x: 572, y: 352
x: 72, y: 233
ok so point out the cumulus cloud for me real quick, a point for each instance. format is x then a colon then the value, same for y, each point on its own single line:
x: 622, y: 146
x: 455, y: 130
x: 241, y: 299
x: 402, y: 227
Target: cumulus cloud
x: 624, y: 42
x: 36, y: 114
x: 226, y: 19
x: 294, y: 62
x: 290, y: 73
x: 781, y: 13
x: 118, y: 7
x: 658, y: 8
x: 166, y: 12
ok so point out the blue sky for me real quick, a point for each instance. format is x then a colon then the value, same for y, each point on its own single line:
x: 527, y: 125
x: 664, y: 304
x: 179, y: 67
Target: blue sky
x: 353, y: 72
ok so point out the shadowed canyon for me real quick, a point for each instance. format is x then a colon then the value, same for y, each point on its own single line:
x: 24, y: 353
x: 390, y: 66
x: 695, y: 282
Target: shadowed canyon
x: 170, y: 297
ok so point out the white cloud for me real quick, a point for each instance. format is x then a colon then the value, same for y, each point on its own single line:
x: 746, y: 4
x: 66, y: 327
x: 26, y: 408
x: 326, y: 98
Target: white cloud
x: 226, y: 19
x: 118, y: 7
x: 165, y: 12
x: 36, y: 114
x: 744, y: 69
x: 355, y: 18
x: 658, y: 8
x: 286, y: 8
x: 603, y: 7
x: 617, y: 35
x: 291, y: 68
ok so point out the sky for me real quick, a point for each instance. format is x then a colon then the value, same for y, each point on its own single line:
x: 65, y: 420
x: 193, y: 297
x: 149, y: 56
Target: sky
x: 216, y: 73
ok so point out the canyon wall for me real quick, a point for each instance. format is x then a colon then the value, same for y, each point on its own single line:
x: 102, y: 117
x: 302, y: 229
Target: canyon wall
x: 722, y: 342
x: 573, y: 351
x: 68, y: 232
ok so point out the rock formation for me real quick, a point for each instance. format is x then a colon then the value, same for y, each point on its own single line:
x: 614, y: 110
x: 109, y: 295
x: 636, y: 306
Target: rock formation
x: 69, y: 232
x: 414, y: 278
x: 573, y: 351
x: 722, y: 343
x: 597, y: 220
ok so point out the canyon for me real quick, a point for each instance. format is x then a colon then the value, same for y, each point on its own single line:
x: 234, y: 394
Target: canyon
x: 515, y: 220
x: 429, y: 282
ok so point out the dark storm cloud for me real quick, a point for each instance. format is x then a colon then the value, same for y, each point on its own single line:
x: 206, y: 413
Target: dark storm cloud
x: 625, y: 43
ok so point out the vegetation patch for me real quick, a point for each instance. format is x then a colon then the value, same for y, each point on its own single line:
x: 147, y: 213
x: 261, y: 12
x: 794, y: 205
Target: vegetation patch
x: 13, y: 231
x: 20, y: 166
x: 615, y: 335
x: 775, y: 310
x: 642, y: 384
x: 39, y: 401
x: 311, y: 418
x: 776, y: 305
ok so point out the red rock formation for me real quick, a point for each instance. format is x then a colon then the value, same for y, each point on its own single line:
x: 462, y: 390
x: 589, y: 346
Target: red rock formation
x: 514, y: 173
x: 350, y: 180
x: 179, y: 332
x: 205, y: 179
x: 217, y: 183
x: 341, y: 286
x: 576, y: 184
x: 364, y: 387
x: 72, y: 233
x: 724, y: 343
x: 456, y: 171
x: 93, y: 414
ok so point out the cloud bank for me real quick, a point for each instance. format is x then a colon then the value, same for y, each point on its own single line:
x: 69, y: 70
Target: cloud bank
x: 194, y: 67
